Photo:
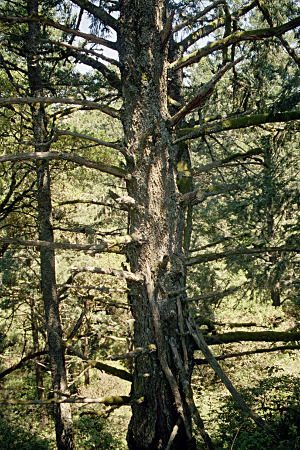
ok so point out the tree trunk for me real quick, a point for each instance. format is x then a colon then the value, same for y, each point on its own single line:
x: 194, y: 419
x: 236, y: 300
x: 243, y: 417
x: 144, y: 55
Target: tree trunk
x: 36, y: 348
x: 162, y: 400
x: 62, y: 412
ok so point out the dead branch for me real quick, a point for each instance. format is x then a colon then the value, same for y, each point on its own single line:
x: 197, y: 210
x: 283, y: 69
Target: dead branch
x: 200, y: 361
x: 199, y: 340
x: 114, y: 272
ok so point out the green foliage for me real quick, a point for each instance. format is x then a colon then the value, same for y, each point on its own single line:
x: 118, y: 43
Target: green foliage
x: 92, y: 435
x: 18, y: 438
x: 276, y: 399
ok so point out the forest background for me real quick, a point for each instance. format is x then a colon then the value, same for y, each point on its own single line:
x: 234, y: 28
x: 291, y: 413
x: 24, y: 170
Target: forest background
x: 98, y: 166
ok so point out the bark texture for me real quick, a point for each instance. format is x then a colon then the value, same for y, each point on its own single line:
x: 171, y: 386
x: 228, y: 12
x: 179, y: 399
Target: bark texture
x: 162, y: 402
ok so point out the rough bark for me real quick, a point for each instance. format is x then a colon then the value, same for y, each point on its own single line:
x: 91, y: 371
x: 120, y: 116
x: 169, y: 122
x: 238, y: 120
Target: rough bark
x: 62, y: 412
x: 163, y: 419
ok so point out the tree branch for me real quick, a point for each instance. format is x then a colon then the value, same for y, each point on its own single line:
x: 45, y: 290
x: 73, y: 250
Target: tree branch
x: 60, y: 100
x: 98, y: 12
x: 199, y: 340
x: 92, y: 139
x: 204, y: 93
x: 200, y: 361
x: 114, y: 272
x: 252, y: 336
x: 246, y: 121
x: 62, y: 156
x: 205, y: 30
x: 238, y: 251
x: 110, y: 75
x: 238, y: 36
x: 222, y: 162
x: 22, y: 362
x: 90, y: 248
x: 194, y: 19
x: 263, y: 8
x: 107, y: 400
x: 51, y: 23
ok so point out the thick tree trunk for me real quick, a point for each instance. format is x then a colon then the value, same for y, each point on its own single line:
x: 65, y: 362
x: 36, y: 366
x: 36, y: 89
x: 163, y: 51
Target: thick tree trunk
x: 62, y: 412
x: 162, y: 400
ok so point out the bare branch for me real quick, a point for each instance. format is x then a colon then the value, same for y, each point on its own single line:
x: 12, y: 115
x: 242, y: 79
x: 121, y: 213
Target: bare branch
x: 133, y: 354
x: 114, y: 272
x: 107, y: 400
x: 110, y: 75
x: 199, y: 340
x: 200, y: 361
x: 62, y: 156
x: 87, y: 51
x: 199, y: 196
x: 89, y: 288
x: 108, y: 246
x: 22, y: 362
x: 60, y: 100
x: 238, y: 36
x: 253, y: 336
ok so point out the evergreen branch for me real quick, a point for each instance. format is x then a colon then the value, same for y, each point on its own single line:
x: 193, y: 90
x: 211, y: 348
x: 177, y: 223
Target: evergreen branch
x: 205, y: 30
x: 110, y: 75
x: 87, y: 51
x: 204, y: 93
x: 199, y: 196
x: 195, y: 18
x: 200, y: 361
x: 22, y: 362
x: 60, y: 100
x: 90, y: 248
x: 238, y: 251
x: 246, y: 121
x: 98, y: 12
x: 263, y: 8
x: 252, y: 336
x: 234, y: 38
x: 113, y: 145
x: 58, y: 26
x: 62, y: 156
x: 114, y: 272
x: 222, y: 162
x: 216, y: 295
x: 120, y: 373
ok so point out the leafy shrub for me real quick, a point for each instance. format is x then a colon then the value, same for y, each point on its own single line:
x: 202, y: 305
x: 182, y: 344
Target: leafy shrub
x: 276, y: 399
x: 91, y: 434
x: 15, y: 437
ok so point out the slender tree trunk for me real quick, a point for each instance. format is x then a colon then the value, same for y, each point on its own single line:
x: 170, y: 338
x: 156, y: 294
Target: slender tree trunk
x: 274, y: 285
x: 62, y: 412
x: 36, y: 348
x: 162, y: 400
